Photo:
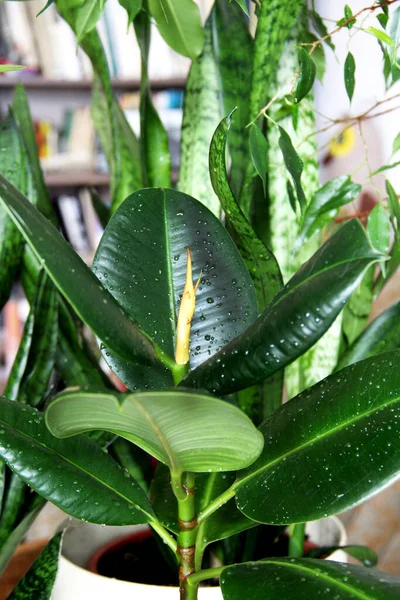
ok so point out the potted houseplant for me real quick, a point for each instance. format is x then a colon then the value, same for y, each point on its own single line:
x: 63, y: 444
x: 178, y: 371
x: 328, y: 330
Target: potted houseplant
x: 199, y: 325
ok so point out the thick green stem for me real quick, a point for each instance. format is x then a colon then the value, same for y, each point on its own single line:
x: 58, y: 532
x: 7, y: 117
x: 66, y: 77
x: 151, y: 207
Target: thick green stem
x: 296, y: 539
x: 187, y: 537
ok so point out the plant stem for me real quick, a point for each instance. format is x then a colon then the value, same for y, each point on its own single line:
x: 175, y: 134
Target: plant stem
x: 296, y: 539
x: 187, y: 538
x: 195, y: 578
x: 164, y: 535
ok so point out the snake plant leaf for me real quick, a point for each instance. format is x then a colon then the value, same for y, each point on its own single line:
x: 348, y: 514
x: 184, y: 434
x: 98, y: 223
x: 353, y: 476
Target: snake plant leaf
x: 132, y: 7
x: 325, y: 204
x: 151, y: 271
x: 331, y: 440
x: 38, y: 582
x: 20, y: 107
x: 10, y: 543
x: 156, y: 158
x: 92, y: 302
x: 366, y: 556
x: 179, y: 23
x: 307, y: 74
x: 297, y: 317
x: 261, y: 263
x: 185, y: 431
x: 305, y: 578
x: 14, y: 166
x: 350, y: 75
x: 382, y: 335
x: 76, y: 475
x: 89, y: 13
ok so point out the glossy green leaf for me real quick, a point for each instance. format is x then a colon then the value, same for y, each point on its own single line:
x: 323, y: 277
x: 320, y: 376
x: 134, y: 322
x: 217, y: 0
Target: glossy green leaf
x: 325, y: 205
x: 306, y: 77
x: 11, y: 542
x: 8, y: 68
x: 186, y: 431
x: 151, y: 272
x: 305, y: 578
x: 259, y: 154
x: 76, y: 475
x: 350, y: 75
x: 179, y: 23
x: 297, y: 317
x: 15, y: 503
x: 261, y: 264
x: 45, y: 7
x: 294, y: 165
x: 358, y: 309
x: 38, y: 582
x: 365, y: 555
x: 378, y: 228
x: 93, y: 303
x: 132, y: 7
x: 382, y: 36
x: 331, y: 441
x: 156, y: 159
x: 89, y: 13
x: 382, y: 335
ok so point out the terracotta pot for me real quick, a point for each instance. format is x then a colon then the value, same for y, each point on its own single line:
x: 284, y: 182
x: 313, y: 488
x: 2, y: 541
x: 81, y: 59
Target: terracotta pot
x: 84, y: 543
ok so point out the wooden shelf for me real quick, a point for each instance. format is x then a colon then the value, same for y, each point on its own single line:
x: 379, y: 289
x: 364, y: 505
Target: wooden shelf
x: 64, y: 85
x: 77, y: 179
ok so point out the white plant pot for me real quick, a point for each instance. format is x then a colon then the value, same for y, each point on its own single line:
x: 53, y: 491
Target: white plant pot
x: 81, y: 540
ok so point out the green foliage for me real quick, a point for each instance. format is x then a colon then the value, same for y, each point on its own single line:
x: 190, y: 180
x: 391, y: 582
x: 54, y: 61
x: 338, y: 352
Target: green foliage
x: 259, y: 154
x: 294, y: 165
x: 349, y: 75
x: 363, y: 554
x: 88, y: 15
x: 306, y: 77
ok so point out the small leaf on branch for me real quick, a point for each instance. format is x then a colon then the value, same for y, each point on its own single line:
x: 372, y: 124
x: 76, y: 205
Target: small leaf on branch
x: 306, y: 78
x: 382, y: 36
x: 294, y: 165
x: 349, y: 75
x: 321, y: 28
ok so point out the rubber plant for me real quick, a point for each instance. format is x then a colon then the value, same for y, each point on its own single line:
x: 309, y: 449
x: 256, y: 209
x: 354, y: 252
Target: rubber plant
x: 204, y: 300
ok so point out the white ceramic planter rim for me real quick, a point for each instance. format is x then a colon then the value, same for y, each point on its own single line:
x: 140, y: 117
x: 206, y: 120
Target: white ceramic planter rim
x: 76, y: 583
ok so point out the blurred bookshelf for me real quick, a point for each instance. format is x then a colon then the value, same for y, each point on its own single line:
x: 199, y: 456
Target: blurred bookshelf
x: 37, y: 82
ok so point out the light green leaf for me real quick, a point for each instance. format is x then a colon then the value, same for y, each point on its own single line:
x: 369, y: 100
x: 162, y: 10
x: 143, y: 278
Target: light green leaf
x: 8, y: 68
x: 305, y: 578
x: 185, y: 431
x: 92, y: 302
x: 88, y: 15
x: 259, y: 154
x: 297, y: 317
x: 386, y: 168
x: 316, y: 443
x: 378, y: 228
x: 76, y: 475
x: 132, y: 7
x: 179, y: 23
x: 382, y: 36
x: 349, y: 75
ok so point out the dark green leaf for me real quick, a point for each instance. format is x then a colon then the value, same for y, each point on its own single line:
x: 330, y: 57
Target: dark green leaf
x: 297, y: 317
x: 151, y: 274
x: 316, y: 443
x: 38, y: 582
x: 15, y: 504
x: 365, y: 555
x: 321, y: 28
x: 358, y: 309
x: 156, y: 159
x: 305, y: 578
x: 294, y: 165
x: 89, y: 298
x: 383, y: 20
x: 45, y: 7
x: 213, y: 435
x: 382, y: 335
x: 307, y: 75
x: 132, y: 7
x: 318, y: 56
x: 259, y: 154
x: 179, y: 23
x: 243, y: 6
x: 261, y: 264
x: 89, y: 13
x: 326, y: 204
x: 76, y: 475
x: 101, y: 209
x: 349, y: 75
